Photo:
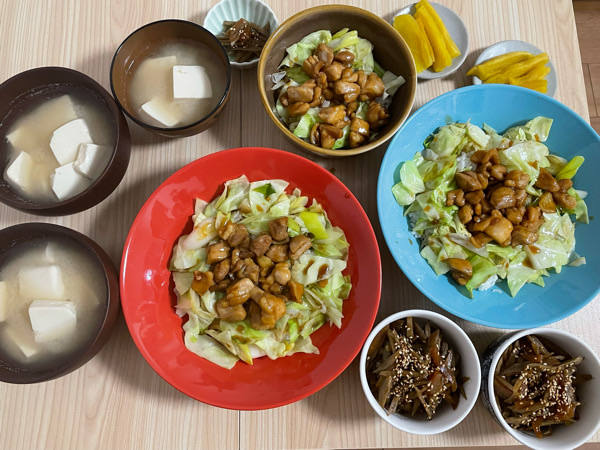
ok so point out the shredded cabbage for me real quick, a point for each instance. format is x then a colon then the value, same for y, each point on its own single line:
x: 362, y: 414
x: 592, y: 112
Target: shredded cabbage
x: 319, y: 270
x: 425, y: 181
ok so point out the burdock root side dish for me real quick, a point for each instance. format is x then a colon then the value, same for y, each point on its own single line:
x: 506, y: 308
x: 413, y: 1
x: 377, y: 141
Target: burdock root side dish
x: 535, y: 386
x: 412, y: 370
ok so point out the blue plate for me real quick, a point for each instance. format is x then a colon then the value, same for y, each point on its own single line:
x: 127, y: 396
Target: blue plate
x: 501, y: 107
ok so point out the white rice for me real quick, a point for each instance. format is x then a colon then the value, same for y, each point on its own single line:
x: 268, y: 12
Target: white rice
x: 490, y: 282
x: 463, y: 162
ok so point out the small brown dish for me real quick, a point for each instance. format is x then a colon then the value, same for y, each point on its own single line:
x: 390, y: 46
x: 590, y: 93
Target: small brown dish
x: 12, y: 240
x: 389, y: 50
x: 145, y: 42
x: 24, y: 90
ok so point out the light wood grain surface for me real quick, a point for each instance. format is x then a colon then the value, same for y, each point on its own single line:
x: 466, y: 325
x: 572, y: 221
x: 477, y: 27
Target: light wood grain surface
x: 117, y: 401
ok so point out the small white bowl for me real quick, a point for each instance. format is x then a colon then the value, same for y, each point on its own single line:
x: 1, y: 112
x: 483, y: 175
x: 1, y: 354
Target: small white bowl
x: 502, y: 47
x: 445, y: 417
x: 588, y: 392
x: 458, y: 32
x: 254, y: 11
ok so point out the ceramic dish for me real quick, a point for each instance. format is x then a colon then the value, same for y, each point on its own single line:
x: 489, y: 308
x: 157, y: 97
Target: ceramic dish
x: 147, y: 289
x: 37, y: 234
x: 253, y: 11
x: 445, y: 417
x: 25, y: 90
x: 503, y: 47
x: 389, y: 50
x: 588, y: 392
x: 494, y: 104
x: 458, y: 31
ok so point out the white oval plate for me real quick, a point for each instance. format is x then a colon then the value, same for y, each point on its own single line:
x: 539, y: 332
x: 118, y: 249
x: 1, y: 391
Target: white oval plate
x: 458, y: 32
x: 502, y: 47
x: 254, y: 11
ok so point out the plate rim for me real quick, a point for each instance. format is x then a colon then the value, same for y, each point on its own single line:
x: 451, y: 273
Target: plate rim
x: 383, y: 186
x: 146, y: 352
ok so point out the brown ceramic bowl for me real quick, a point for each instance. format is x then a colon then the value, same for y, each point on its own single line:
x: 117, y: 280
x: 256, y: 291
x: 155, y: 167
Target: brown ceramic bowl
x: 11, y: 372
x: 25, y: 89
x: 145, y: 41
x: 389, y: 50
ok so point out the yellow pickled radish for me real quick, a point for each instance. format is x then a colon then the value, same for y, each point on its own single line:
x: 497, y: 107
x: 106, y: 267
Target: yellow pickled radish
x: 416, y: 39
x: 518, y: 69
x: 537, y: 85
x: 450, y: 45
x: 497, y: 64
x: 441, y: 55
x: 426, y: 41
x: 539, y: 71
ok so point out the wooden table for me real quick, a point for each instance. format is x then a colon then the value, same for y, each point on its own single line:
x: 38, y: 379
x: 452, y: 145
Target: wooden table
x: 117, y: 400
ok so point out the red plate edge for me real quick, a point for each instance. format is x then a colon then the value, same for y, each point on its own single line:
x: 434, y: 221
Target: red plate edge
x: 129, y: 307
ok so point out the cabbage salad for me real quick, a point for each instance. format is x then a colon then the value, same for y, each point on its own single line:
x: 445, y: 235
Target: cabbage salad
x: 346, y: 75
x: 315, y: 271
x: 427, y: 179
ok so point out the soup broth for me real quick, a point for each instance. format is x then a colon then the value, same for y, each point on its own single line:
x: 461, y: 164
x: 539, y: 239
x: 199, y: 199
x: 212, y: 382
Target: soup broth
x: 152, y: 81
x: 30, y: 127
x: 84, y: 291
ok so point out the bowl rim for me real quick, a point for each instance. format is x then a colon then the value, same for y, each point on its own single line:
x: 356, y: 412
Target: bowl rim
x: 411, y: 82
x: 76, y: 203
x: 383, y: 184
x: 149, y: 355
x: 184, y: 127
x: 444, y: 323
x: 554, y: 335
x: 112, y: 303
x: 253, y: 62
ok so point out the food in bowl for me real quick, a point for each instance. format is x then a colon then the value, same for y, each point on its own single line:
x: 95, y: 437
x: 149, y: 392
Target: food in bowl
x: 244, y: 40
x: 425, y: 33
x: 411, y: 369
x: 491, y: 207
x: 179, y: 83
x: 520, y: 68
x: 260, y: 271
x: 535, y: 385
x: 51, y: 299
x: 58, y: 141
x: 331, y: 92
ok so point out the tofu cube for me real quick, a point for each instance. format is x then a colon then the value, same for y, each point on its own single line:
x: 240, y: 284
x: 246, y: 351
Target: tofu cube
x: 92, y: 160
x: 20, y: 171
x: 50, y: 253
x: 3, y: 300
x: 51, y: 319
x: 35, y: 129
x: 162, y: 111
x: 67, y: 182
x: 41, y: 282
x: 160, y: 71
x: 66, y: 140
x: 191, y: 82
x: 22, y: 341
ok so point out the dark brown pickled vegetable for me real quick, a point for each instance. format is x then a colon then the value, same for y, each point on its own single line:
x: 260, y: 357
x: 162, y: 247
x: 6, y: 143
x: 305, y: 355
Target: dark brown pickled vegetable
x: 244, y: 40
x: 534, y: 386
x: 412, y: 370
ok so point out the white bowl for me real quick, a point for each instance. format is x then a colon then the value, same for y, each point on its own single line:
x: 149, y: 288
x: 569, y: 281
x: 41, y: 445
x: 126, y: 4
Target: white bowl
x: 562, y: 437
x: 502, y: 47
x: 445, y: 417
x: 232, y: 10
x: 458, y: 32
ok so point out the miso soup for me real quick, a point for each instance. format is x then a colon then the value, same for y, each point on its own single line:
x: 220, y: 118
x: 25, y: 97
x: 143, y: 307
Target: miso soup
x: 177, y: 85
x: 42, y: 141
x: 66, y: 290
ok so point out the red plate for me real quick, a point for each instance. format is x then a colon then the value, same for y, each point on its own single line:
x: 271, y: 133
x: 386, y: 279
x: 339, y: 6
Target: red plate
x: 148, y: 299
